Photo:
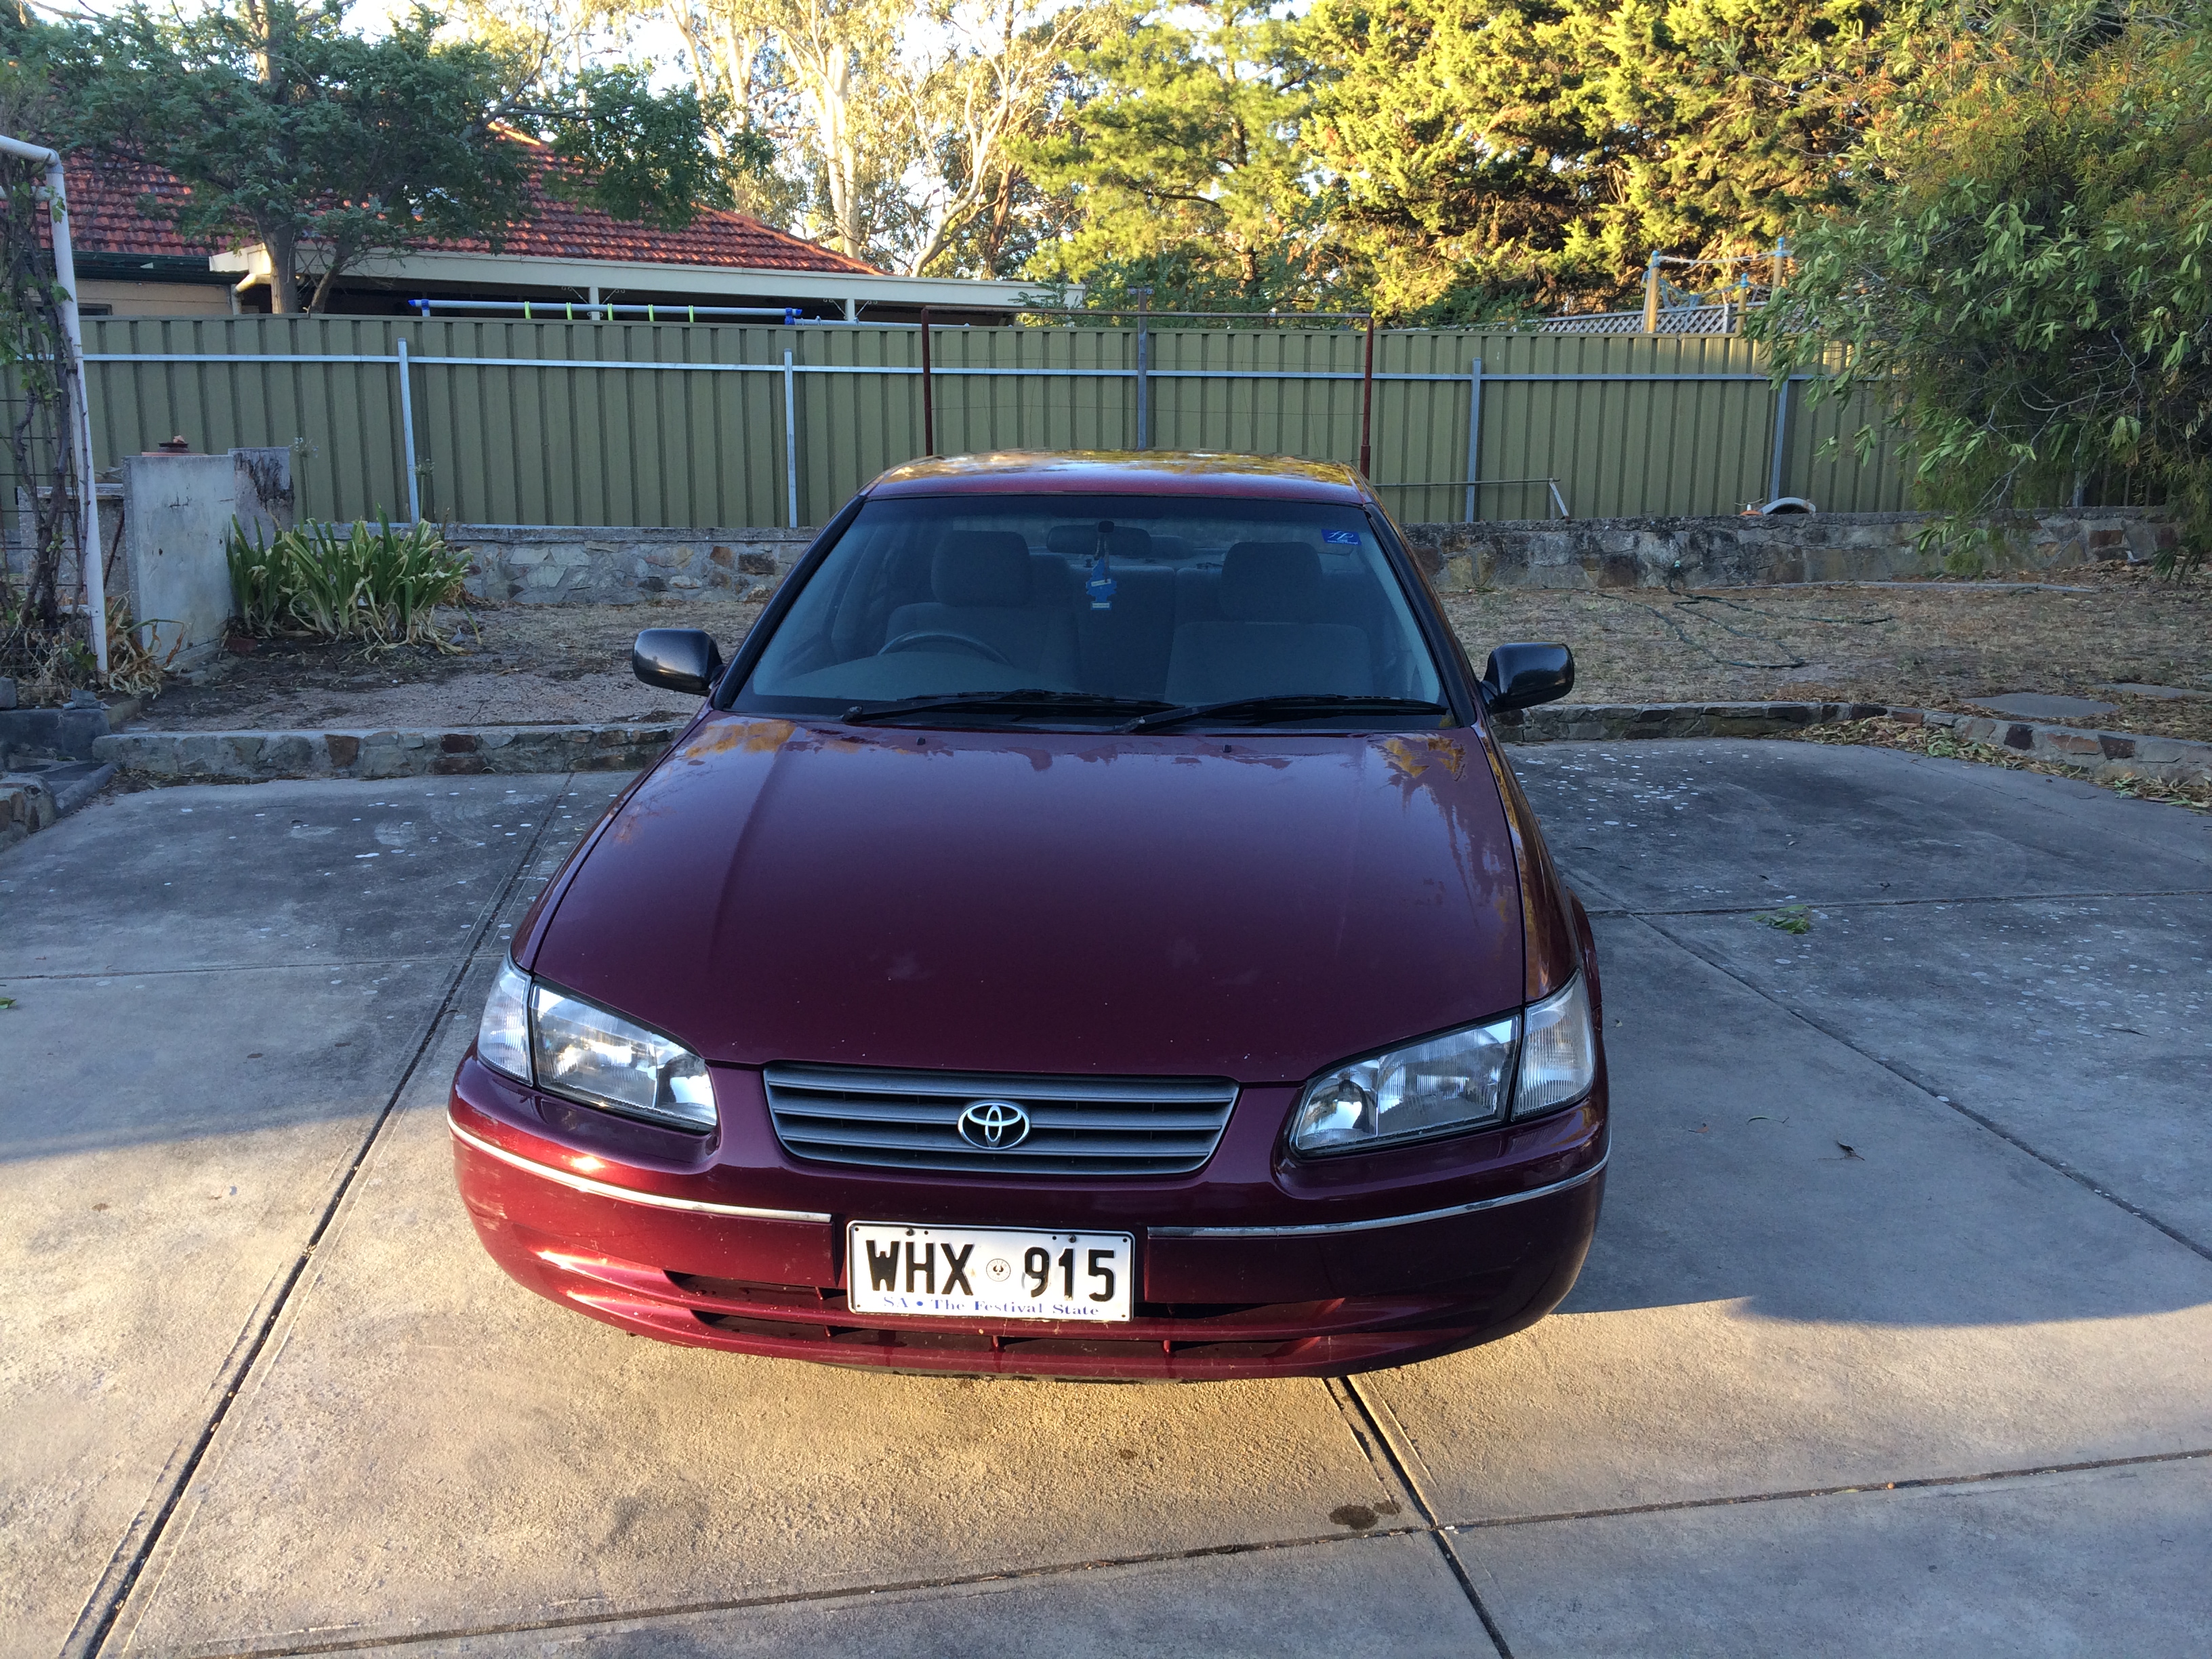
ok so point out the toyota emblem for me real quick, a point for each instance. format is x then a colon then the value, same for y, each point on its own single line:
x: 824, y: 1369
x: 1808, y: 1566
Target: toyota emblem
x: 993, y: 1125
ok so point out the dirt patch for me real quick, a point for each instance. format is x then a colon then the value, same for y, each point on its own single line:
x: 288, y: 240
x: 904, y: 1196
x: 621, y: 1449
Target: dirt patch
x: 1932, y: 645
x: 1926, y: 645
x: 517, y: 666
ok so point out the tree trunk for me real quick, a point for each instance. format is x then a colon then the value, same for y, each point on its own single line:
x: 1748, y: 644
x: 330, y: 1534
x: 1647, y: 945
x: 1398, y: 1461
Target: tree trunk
x: 1002, y: 213
x: 284, y: 250
x: 841, y: 152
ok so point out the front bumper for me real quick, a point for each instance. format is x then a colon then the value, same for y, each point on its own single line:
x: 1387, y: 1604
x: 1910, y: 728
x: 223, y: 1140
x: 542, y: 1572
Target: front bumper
x: 1238, y: 1289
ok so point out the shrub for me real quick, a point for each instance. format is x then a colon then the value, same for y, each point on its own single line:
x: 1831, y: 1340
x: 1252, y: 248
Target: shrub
x: 2026, y: 272
x: 379, y: 586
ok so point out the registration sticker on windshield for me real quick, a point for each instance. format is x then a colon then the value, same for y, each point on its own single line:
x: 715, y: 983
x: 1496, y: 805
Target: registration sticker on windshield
x: 988, y: 1273
x: 1340, y: 538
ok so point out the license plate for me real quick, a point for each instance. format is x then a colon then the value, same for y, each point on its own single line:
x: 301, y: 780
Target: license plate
x: 988, y: 1273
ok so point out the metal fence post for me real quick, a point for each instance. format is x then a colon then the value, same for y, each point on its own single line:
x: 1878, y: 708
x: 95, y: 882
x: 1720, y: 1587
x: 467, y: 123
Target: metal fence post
x: 1143, y: 367
x: 928, y: 392
x: 790, y: 442
x: 1781, y: 441
x: 1367, y: 405
x: 407, y: 439
x: 1473, y: 436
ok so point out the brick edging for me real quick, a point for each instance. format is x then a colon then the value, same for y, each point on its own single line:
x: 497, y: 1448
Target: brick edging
x: 252, y: 757
x: 2096, y: 753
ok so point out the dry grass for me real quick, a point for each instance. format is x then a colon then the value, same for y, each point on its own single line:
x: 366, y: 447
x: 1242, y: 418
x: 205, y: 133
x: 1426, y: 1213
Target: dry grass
x: 1933, y: 645
x: 506, y: 665
x: 1928, y: 644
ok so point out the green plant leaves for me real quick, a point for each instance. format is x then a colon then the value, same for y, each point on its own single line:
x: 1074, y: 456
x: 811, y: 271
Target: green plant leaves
x: 380, y: 586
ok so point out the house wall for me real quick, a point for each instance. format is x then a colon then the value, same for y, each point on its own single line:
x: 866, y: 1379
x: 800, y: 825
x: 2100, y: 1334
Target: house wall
x: 156, y: 299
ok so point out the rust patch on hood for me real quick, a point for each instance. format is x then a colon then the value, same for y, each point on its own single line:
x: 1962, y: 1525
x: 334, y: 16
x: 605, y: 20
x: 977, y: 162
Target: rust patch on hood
x: 733, y: 737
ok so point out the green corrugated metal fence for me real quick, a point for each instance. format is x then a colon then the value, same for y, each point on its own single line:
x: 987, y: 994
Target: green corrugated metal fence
x: 674, y: 423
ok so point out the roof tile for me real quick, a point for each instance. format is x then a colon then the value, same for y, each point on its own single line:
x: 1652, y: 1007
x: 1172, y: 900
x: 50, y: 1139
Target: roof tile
x: 105, y: 217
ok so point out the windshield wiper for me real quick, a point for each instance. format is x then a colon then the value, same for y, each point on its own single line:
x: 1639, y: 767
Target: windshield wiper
x: 1294, y: 706
x: 1031, y: 701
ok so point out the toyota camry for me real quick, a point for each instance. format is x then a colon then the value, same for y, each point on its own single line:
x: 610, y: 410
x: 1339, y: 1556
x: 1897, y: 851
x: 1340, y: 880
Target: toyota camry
x: 1090, y: 929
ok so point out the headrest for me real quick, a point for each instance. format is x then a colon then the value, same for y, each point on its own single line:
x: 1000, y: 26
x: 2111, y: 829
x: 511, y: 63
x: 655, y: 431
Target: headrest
x: 1272, y: 581
x: 1080, y: 541
x: 978, y: 567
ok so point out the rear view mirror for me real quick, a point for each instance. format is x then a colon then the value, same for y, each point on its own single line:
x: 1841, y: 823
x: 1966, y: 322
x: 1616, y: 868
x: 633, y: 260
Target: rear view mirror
x: 1520, y: 675
x: 679, y: 658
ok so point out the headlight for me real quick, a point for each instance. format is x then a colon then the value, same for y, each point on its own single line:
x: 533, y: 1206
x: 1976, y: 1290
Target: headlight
x: 1535, y: 1061
x: 1450, y: 1083
x: 562, y: 1043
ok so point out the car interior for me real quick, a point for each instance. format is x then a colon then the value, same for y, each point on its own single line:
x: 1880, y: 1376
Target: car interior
x: 1103, y: 606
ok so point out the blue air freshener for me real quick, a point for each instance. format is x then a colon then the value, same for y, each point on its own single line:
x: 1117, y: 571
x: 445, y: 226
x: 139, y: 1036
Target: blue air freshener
x: 1102, y: 584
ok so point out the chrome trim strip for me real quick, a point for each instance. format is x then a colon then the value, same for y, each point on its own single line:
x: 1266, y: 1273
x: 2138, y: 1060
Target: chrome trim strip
x: 607, y: 1189
x: 1021, y: 1085
x: 1319, y: 1228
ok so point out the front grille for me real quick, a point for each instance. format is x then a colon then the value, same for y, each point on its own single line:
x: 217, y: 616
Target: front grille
x: 1078, y: 1126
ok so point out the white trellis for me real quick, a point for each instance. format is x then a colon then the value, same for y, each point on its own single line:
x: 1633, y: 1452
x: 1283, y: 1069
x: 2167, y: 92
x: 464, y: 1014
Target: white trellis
x: 88, y: 559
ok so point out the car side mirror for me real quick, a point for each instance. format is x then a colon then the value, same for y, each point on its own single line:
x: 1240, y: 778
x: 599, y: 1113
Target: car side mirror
x: 679, y: 659
x: 1520, y: 676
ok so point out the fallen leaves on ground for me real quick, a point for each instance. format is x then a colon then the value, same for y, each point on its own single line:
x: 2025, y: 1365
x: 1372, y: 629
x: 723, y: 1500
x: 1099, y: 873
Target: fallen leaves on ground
x: 1943, y: 743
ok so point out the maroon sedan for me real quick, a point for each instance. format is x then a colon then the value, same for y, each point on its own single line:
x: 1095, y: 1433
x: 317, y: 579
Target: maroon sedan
x: 1088, y: 931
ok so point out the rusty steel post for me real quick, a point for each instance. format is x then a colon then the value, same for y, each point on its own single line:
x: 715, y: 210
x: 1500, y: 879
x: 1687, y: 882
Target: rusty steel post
x: 1367, y: 403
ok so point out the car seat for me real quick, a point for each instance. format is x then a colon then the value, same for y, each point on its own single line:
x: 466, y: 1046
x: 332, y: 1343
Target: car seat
x: 984, y: 589
x: 1273, y: 639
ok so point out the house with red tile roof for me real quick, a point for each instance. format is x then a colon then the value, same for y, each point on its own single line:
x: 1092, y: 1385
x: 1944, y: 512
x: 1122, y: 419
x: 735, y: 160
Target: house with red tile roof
x: 561, y: 257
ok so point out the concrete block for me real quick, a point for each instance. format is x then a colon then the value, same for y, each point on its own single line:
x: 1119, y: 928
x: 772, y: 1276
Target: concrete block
x: 177, y: 519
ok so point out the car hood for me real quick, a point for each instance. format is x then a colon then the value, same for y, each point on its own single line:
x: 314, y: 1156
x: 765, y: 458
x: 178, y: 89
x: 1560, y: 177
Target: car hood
x: 1053, y: 903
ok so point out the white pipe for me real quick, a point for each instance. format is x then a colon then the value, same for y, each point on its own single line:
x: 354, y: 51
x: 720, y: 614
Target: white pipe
x: 89, y: 563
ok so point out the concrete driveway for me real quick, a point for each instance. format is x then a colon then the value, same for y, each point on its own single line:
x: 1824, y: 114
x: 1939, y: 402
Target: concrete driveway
x: 1896, y: 1336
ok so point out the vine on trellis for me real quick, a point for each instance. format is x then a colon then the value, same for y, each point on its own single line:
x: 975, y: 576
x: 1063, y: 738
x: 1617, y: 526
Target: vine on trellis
x: 43, y: 629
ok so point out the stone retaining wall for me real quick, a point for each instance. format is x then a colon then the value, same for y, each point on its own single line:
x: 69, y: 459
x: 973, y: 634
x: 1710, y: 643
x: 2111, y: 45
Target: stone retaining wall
x: 1755, y: 550
x: 542, y: 564
x: 548, y: 564
x: 252, y: 757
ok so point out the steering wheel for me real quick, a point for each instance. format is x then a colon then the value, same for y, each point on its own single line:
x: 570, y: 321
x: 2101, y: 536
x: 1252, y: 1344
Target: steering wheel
x: 981, y: 647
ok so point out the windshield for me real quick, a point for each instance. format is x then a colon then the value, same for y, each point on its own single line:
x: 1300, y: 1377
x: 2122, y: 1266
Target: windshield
x: 1118, y: 606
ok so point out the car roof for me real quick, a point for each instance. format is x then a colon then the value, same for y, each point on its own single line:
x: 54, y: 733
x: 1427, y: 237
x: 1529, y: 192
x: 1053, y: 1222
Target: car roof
x: 1125, y: 472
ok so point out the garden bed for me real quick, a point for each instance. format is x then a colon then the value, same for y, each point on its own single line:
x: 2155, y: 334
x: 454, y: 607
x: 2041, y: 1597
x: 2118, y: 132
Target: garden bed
x: 1926, y: 645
